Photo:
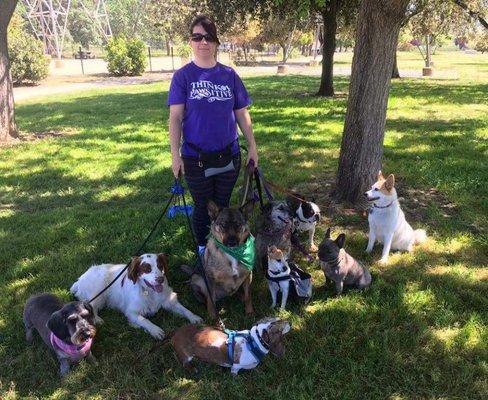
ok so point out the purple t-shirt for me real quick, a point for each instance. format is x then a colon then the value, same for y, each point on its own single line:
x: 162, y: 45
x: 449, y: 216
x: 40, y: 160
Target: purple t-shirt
x: 210, y: 96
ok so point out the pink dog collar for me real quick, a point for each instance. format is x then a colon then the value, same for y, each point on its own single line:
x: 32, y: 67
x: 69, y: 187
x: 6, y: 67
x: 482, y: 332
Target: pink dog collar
x: 74, y: 351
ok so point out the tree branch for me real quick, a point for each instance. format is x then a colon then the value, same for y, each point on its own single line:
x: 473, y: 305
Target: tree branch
x: 472, y: 14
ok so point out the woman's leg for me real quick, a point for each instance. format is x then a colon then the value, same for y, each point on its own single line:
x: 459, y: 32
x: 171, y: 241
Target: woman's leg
x: 224, y: 184
x: 201, y: 190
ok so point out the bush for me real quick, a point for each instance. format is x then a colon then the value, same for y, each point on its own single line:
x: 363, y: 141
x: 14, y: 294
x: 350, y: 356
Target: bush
x: 27, y: 60
x: 184, y: 50
x: 125, y: 57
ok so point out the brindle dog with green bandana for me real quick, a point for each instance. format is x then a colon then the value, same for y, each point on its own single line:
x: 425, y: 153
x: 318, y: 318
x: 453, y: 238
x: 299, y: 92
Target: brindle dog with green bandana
x: 228, y: 259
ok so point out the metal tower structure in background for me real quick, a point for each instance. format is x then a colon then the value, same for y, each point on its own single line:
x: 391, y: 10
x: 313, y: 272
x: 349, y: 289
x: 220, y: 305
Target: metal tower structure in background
x: 97, y: 11
x: 49, y: 20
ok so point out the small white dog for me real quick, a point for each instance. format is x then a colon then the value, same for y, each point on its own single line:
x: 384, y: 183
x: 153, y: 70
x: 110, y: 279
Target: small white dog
x: 278, y: 275
x: 138, y: 293
x: 387, y: 223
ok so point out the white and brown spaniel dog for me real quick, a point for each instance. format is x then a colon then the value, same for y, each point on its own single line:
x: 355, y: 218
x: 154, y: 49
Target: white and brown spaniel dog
x: 138, y: 293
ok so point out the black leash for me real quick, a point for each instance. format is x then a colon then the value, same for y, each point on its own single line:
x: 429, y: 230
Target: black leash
x: 200, y: 266
x: 140, y: 248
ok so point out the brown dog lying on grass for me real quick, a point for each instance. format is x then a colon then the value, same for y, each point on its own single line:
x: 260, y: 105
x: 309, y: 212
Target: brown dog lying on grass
x: 234, y: 349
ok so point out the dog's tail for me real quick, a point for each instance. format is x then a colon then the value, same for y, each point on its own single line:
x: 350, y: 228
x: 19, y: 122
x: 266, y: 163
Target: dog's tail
x: 420, y: 236
x: 158, y: 344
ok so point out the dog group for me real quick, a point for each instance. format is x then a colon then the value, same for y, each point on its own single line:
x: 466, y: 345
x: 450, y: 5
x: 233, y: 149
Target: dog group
x: 230, y: 256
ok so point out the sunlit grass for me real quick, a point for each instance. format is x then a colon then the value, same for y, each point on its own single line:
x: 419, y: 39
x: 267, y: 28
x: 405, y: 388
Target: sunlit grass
x: 91, y: 196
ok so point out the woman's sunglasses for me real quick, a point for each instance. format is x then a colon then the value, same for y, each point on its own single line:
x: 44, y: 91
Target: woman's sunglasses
x: 198, y: 37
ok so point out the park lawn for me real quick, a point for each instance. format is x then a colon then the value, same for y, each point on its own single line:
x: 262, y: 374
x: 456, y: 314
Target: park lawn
x: 91, y: 195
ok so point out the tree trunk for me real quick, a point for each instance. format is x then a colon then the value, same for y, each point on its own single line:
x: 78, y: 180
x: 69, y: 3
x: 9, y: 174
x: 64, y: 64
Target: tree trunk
x: 329, y: 15
x: 395, y: 73
x: 377, y: 32
x: 283, y: 48
x: 168, y: 46
x: 8, y: 128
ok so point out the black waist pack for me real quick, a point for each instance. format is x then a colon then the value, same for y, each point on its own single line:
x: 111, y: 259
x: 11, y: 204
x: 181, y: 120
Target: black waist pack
x: 215, y: 162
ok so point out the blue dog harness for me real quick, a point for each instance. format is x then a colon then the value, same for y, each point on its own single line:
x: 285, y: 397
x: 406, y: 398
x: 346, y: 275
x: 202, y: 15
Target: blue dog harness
x: 251, y: 344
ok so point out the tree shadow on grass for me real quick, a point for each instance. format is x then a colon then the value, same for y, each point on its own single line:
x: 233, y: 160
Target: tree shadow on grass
x: 398, y: 338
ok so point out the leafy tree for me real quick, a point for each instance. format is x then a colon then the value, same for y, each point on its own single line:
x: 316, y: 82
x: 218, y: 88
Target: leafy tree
x: 482, y: 43
x: 81, y: 27
x: 244, y: 33
x: 172, y: 19
x: 282, y: 31
x: 129, y: 17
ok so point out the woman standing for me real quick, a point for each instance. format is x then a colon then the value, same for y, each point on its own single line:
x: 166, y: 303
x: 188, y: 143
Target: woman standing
x: 207, y: 101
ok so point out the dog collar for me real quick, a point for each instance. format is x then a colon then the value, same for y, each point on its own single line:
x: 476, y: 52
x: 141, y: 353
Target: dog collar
x: 375, y: 206
x: 279, y: 272
x: 73, y: 350
x: 304, y: 220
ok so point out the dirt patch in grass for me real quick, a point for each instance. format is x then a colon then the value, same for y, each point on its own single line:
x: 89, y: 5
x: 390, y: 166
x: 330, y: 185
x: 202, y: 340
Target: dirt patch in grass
x: 35, y: 137
x: 414, y: 201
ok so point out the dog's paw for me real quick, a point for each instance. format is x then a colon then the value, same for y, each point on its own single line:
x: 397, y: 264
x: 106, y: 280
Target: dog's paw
x: 98, y: 320
x: 383, y: 261
x: 195, y: 319
x: 313, y: 248
x: 368, y: 249
x: 157, y: 333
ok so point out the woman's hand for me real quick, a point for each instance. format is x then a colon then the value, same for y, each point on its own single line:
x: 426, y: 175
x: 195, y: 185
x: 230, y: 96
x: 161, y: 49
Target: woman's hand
x: 252, y: 154
x: 177, y: 165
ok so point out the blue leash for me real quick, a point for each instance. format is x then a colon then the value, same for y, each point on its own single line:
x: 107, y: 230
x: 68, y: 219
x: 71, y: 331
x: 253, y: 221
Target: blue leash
x: 250, y: 343
x: 178, y: 190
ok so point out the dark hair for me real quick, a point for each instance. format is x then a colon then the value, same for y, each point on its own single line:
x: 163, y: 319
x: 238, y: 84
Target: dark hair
x: 207, y: 24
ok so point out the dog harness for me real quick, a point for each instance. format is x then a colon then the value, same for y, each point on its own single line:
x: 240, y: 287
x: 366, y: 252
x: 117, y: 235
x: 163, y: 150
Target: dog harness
x: 76, y: 352
x: 245, y: 253
x: 251, y: 344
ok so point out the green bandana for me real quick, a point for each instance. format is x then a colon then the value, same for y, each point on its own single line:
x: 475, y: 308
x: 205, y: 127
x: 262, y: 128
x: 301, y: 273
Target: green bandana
x: 244, y: 253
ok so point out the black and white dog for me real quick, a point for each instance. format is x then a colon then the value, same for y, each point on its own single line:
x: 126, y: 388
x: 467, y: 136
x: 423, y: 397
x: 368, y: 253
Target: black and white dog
x: 306, y: 214
x: 67, y: 329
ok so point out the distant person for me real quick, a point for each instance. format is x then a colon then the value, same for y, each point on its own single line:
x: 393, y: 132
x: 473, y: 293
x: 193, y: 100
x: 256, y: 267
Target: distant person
x: 207, y: 100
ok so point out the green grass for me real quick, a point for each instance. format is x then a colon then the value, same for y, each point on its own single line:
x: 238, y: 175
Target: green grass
x: 420, y: 331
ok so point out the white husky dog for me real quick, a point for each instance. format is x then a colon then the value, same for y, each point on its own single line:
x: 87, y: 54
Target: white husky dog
x: 387, y: 223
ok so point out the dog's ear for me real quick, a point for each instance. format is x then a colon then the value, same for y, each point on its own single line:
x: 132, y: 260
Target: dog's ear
x: 88, y: 306
x: 133, y: 271
x: 341, y: 239
x: 286, y: 327
x: 380, y: 176
x: 57, y: 325
x: 162, y: 263
x: 327, y: 234
x: 390, y: 182
x: 283, y: 326
x: 213, y: 210
x: 247, y: 209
